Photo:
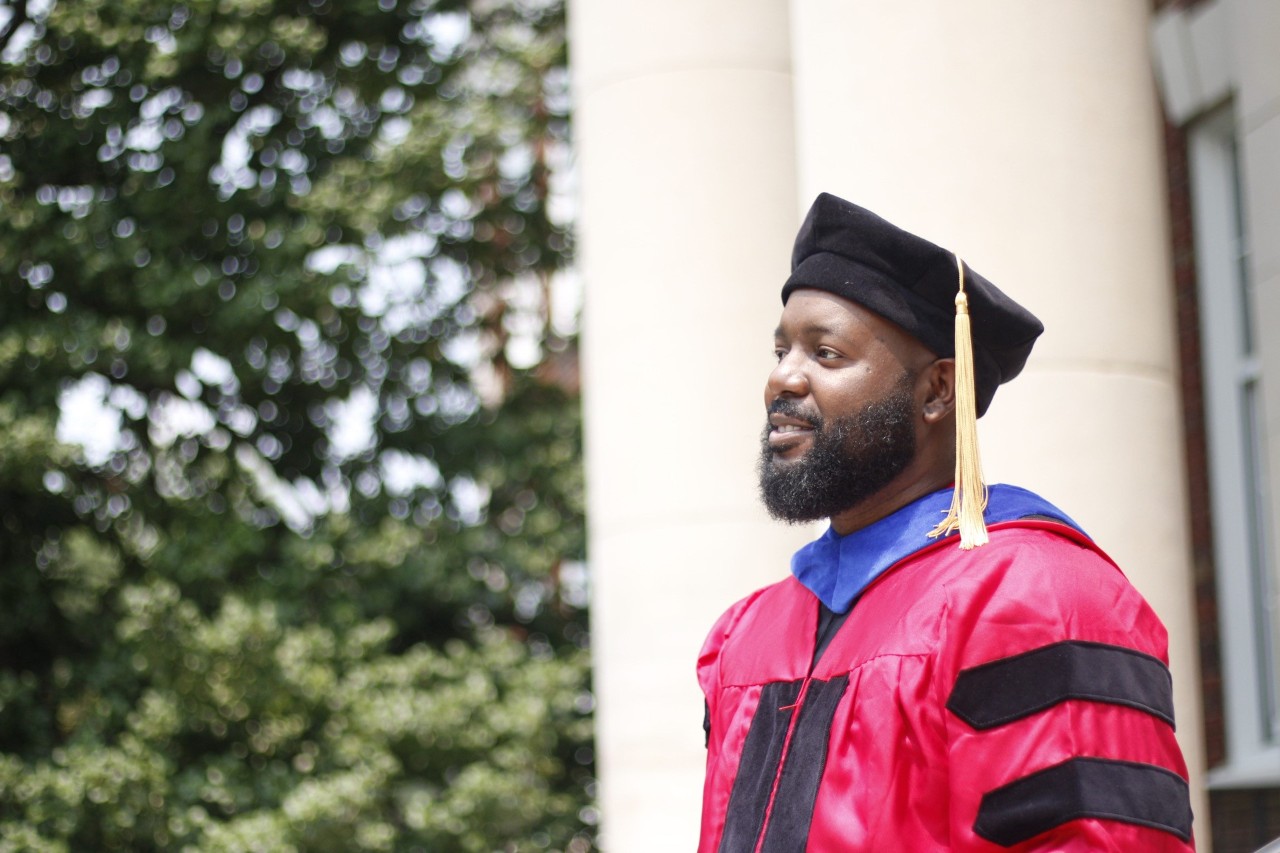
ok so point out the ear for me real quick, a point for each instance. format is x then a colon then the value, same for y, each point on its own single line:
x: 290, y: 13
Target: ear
x: 939, y: 381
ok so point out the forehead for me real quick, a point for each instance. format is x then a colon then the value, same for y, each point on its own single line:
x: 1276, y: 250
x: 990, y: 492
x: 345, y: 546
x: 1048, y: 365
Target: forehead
x: 810, y: 312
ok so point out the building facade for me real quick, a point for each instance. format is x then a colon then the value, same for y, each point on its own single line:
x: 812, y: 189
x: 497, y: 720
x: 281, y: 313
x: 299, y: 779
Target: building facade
x: 1218, y: 72
x: 1033, y: 138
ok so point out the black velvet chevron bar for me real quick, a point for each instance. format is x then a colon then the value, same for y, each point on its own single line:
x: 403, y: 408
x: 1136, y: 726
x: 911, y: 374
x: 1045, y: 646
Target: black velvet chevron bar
x: 1009, y: 689
x: 1124, y: 791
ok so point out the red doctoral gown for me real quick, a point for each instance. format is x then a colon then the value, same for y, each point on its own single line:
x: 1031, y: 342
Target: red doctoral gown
x: 1011, y: 697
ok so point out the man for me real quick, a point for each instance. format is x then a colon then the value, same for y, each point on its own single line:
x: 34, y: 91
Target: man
x: 910, y: 688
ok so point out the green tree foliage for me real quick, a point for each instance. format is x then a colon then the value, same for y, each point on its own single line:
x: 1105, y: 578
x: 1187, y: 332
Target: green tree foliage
x: 289, y: 446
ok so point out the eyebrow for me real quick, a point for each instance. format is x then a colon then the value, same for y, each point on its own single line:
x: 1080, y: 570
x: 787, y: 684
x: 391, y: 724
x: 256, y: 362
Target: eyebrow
x: 810, y: 328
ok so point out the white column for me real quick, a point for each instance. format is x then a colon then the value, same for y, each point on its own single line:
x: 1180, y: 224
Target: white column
x: 683, y: 123
x: 1027, y: 136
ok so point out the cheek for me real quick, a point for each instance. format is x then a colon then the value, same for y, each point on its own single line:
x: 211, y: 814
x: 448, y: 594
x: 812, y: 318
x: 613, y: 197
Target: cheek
x: 850, y: 391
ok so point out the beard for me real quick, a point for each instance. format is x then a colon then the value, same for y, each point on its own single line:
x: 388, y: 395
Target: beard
x: 851, y: 457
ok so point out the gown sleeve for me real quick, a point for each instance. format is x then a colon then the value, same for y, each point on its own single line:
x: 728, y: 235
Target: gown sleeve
x: 1053, y: 672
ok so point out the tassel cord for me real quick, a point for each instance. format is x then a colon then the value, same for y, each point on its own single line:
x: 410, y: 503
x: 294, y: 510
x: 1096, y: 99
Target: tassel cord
x: 969, y: 498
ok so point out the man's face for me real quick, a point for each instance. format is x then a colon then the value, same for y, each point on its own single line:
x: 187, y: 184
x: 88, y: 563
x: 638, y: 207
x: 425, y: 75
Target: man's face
x: 842, y: 408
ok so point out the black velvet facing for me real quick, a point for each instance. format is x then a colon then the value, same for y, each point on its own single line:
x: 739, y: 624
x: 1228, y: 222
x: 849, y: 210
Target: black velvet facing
x: 1141, y: 794
x: 757, y: 766
x: 1009, y: 689
x: 792, y: 812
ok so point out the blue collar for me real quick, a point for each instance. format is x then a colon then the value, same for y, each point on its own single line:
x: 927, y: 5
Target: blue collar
x: 838, y: 568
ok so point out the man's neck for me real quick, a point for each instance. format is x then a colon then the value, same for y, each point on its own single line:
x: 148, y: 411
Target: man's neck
x: 893, y: 497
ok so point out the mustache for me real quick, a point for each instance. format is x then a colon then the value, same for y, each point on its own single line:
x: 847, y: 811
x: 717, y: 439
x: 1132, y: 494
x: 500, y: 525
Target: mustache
x: 792, y: 409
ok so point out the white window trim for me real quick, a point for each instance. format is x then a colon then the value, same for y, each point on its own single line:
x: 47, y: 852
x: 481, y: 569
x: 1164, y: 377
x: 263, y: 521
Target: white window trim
x: 1251, y: 760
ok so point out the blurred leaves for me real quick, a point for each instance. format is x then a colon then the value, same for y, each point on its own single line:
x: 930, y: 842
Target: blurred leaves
x: 292, y: 543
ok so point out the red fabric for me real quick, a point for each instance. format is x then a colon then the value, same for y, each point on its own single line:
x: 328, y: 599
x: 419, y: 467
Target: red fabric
x: 902, y: 772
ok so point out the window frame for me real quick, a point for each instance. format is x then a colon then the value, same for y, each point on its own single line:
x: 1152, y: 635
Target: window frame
x: 1243, y: 557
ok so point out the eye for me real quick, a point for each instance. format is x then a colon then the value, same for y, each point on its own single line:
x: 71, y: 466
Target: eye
x: 827, y: 353
x: 778, y: 353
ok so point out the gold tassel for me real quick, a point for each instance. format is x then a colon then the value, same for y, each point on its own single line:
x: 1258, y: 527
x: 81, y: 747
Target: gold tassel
x: 969, y: 499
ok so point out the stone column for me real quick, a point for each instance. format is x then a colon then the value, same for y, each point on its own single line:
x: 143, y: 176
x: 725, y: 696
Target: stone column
x: 1027, y: 136
x: 688, y: 206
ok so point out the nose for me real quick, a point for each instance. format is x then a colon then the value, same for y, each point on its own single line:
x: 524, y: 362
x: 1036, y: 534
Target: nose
x: 787, y: 379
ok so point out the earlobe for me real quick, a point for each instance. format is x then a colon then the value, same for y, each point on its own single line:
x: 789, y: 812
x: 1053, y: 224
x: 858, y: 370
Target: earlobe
x: 940, y: 391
